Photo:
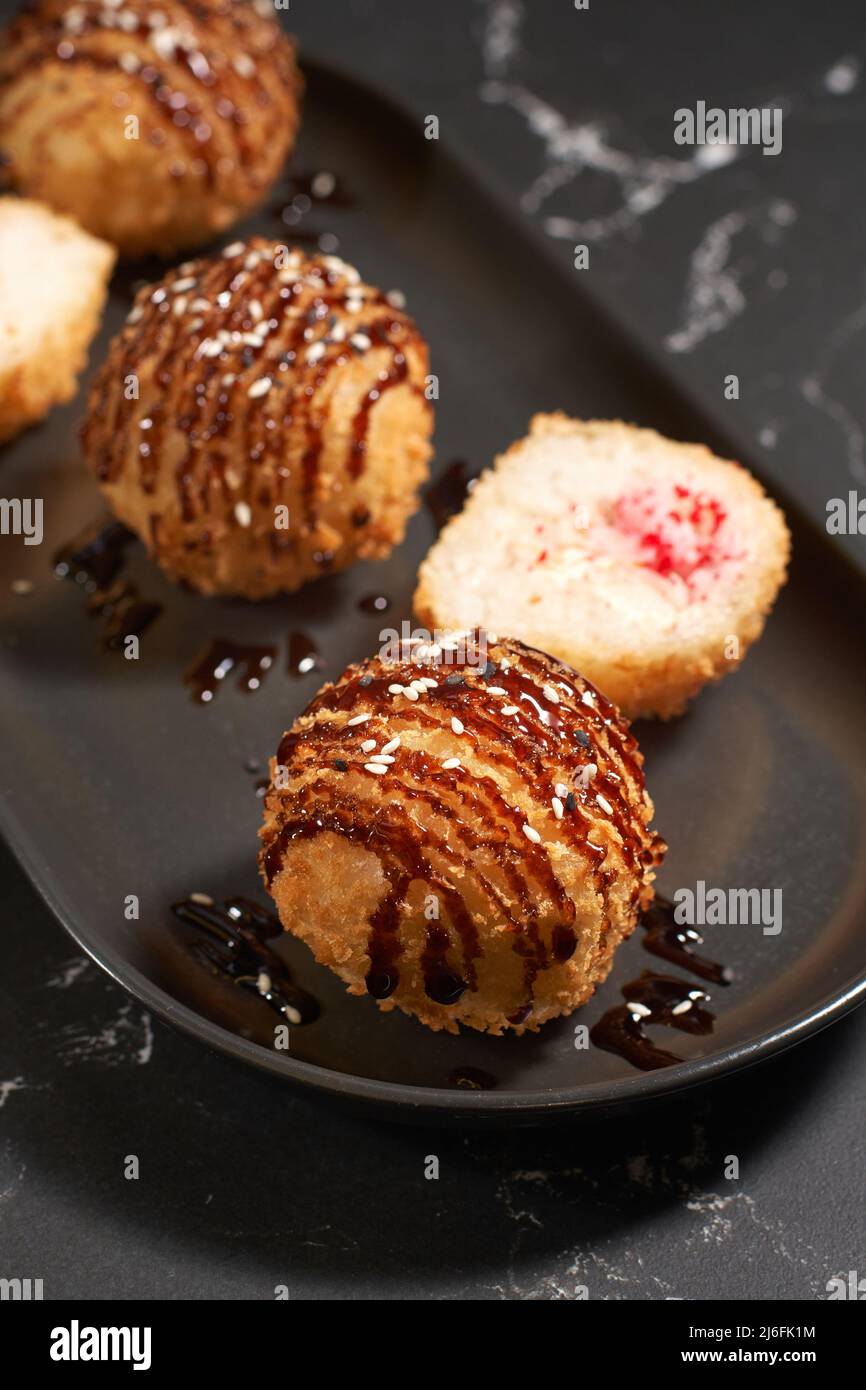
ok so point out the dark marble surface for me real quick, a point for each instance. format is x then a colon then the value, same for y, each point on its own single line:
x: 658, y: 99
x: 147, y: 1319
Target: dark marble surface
x: 753, y: 266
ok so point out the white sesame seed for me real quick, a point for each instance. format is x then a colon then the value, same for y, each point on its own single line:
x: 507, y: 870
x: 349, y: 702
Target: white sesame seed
x: 396, y: 298
x: 419, y: 685
x: 683, y: 1007
x: 21, y: 587
x: 368, y: 745
x: 604, y: 804
x: 209, y: 347
x: 180, y: 286
x: 410, y: 693
x: 551, y: 694
x: 383, y: 758
x: 361, y: 341
x: 587, y: 697
x: 179, y: 307
x: 135, y: 314
x: 561, y: 790
x: 202, y: 899
x: 292, y: 1014
x: 496, y: 690
x: 639, y: 1010
x: 375, y: 767
x: 243, y: 513
x: 430, y: 683
x: 229, y: 379
x: 510, y: 709
x: 585, y: 776
x: 358, y: 719
x: 263, y: 983
x: 391, y: 745
x: 450, y: 763
x: 260, y: 387
x: 129, y: 62
x: 194, y: 325
x: 557, y: 807
x: 531, y: 834
x: 256, y: 310
x: 200, y: 306
x: 395, y: 690
x: 457, y: 725
x: 243, y: 65
x: 234, y: 250
x: 316, y: 352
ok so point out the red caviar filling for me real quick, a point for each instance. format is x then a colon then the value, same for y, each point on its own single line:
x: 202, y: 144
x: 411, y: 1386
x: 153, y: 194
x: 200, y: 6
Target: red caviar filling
x: 676, y: 530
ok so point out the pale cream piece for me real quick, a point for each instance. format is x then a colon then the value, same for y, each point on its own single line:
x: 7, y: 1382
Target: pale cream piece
x: 648, y: 564
x: 53, y: 284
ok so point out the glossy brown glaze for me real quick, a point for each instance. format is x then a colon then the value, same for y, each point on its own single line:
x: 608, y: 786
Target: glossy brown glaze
x: 202, y: 67
x: 220, y: 659
x: 568, y: 728
x: 244, y: 354
x: 232, y: 939
x: 94, y: 561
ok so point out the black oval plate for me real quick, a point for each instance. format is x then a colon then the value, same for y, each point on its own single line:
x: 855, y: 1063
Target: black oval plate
x: 116, y: 783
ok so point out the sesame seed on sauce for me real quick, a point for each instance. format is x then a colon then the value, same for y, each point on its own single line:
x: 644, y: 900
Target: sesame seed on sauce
x: 260, y: 387
x: 383, y: 758
x: 551, y: 694
x: 557, y: 807
x: 510, y: 709
x: 604, y: 804
x: 531, y: 834
x: 561, y: 790
x: 375, y: 767
x: 391, y: 745
x: 450, y: 763
x: 358, y: 719
x: 457, y: 725
x: 368, y: 745
x: 496, y: 690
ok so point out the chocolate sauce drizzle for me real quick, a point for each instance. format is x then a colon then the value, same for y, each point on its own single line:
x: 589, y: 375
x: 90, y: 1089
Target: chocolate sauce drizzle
x: 219, y: 659
x: 446, y: 495
x: 303, y: 656
x: 308, y: 190
x: 94, y: 560
x: 187, y: 93
x: 579, y: 727
x: 276, y: 438
x: 233, y: 942
x: 660, y: 999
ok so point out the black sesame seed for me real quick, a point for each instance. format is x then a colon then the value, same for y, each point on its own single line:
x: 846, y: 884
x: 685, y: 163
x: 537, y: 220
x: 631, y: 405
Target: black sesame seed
x: 365, y: 681
x: 571, y: 802
x: 490, y: 670
x: 582, y: 738
x: 341, y: 765
x: 455, y: 680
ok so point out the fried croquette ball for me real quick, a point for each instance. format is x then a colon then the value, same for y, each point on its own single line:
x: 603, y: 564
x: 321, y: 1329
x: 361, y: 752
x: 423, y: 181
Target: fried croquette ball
x: 155, y: 125
x: 647, y: 564
x: 261, y: 420
x: 53, y: 283
x: 461, y: 830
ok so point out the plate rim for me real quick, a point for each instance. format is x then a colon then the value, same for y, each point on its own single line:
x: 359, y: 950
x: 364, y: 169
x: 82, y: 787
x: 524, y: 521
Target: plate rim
x: 402, y: 1098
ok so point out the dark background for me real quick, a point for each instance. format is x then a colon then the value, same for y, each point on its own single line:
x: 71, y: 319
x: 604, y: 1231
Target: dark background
x: 754, y: 267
